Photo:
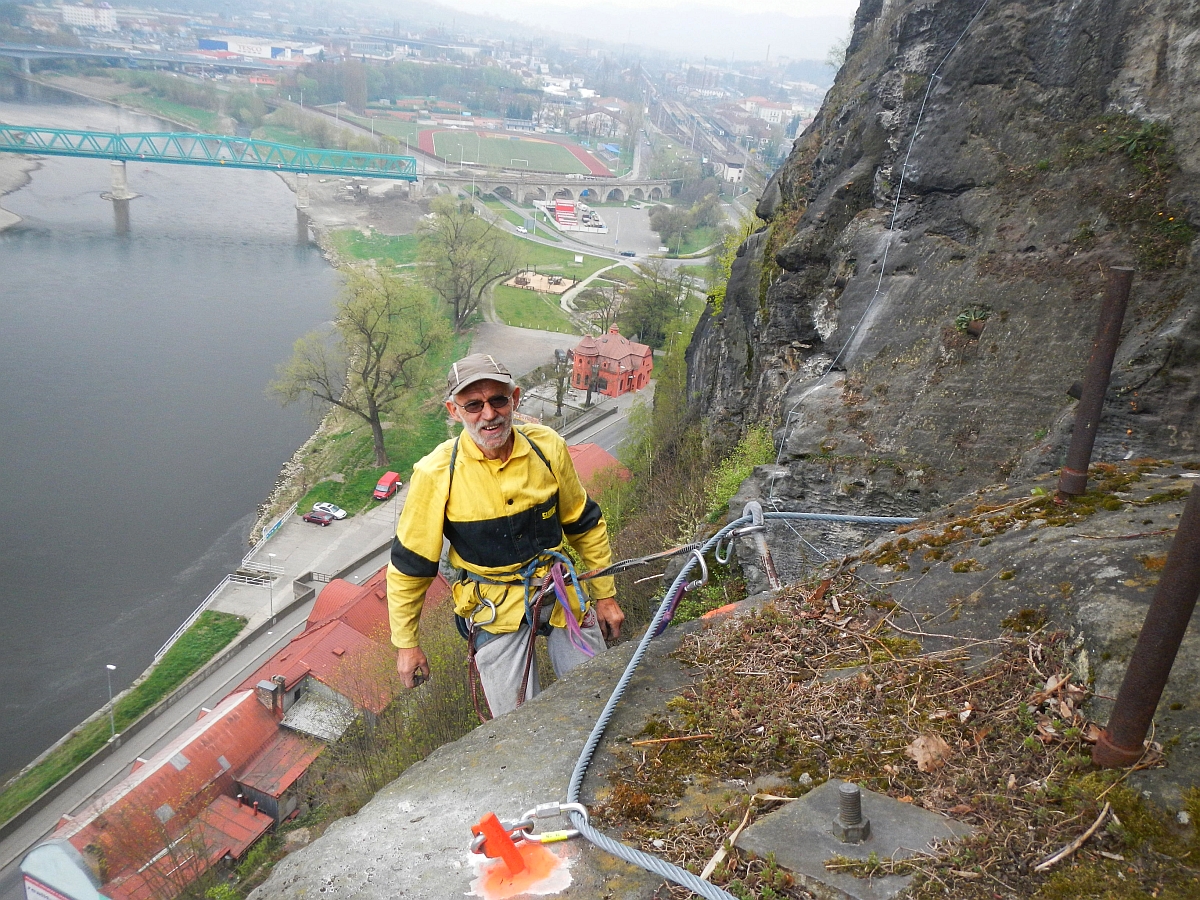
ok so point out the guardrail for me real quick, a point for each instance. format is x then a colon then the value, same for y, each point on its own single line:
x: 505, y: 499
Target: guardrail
x: 270, y: 531
x: 191, y: 620
x: 263, y: 568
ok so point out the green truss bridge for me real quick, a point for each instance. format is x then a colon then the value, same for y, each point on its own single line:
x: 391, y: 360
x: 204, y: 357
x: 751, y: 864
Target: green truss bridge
x: 205, y: 150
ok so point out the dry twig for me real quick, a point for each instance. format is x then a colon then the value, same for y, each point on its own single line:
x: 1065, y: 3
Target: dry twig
x: 1066, y: 851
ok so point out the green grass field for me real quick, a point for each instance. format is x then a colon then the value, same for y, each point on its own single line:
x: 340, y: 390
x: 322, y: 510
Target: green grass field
x: 281, y: 135
x: 515, y: 153
x: 529, y: 309
x: 351, y: 242
x: 385, y: 124
x: 552, y: 259
x: 517, y: 219
x: 189, y: 115
x: 697, y: 239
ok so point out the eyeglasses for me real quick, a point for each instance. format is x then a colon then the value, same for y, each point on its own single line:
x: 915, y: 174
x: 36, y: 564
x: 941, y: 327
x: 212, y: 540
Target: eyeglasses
x: 499, y: 403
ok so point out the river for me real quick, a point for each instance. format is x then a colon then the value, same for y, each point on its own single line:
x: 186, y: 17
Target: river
x: 136, y: 439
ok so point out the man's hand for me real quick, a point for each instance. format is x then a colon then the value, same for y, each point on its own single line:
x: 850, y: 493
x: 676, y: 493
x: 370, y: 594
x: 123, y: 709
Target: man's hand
x: 610, y: 617
x: 413, y: 666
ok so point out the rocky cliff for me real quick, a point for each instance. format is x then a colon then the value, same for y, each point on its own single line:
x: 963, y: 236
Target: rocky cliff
x: 981, y: 161
x: 975, y: 161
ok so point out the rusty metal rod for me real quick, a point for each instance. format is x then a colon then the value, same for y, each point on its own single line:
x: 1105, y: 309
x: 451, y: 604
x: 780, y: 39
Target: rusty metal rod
x: 1072, y: 480
x: 1150, y: 665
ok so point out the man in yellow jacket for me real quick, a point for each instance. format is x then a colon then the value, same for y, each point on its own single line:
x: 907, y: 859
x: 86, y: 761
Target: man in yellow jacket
x: 507, y: 499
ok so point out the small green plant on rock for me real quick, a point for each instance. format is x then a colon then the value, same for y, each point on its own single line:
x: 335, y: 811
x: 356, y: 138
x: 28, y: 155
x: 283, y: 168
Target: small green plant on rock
x: 972, y: 314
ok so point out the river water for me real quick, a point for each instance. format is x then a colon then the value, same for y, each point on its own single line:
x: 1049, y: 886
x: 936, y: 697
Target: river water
x: 136, y: 439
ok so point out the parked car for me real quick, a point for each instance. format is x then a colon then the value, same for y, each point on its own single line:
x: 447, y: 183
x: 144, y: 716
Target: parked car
x: 336, y: 511
x: 318, y: 518
x: 628, y: 253
x: 388, y: 485
x: 521, y: 229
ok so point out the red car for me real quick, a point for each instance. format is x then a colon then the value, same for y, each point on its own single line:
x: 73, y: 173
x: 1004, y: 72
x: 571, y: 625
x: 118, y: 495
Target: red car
x: 318, y: 518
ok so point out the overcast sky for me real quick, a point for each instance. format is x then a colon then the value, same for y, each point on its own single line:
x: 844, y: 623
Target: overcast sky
x: 745, y: 29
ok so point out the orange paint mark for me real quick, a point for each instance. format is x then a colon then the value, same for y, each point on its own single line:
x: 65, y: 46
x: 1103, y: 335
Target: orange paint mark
x: 719, y: 611
x: 497, y: 883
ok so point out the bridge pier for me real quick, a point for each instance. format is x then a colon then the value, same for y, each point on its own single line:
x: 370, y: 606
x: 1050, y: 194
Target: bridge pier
x: 301, y: 190
x: 121, y: 216
x: 120, y: 184
x: 25, y: 66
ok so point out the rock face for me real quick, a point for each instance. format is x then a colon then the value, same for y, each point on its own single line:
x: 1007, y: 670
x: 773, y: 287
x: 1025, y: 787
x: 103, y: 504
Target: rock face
x: 973, y: 161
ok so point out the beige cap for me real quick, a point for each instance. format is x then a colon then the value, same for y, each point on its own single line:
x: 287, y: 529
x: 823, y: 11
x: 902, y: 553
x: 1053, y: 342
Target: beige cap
x: 473, y: 368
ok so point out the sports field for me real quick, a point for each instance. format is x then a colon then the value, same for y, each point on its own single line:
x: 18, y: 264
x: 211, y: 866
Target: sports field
x: 511, y: 152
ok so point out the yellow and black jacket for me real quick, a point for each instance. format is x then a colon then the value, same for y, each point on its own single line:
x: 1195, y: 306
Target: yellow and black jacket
x: 498, y: 516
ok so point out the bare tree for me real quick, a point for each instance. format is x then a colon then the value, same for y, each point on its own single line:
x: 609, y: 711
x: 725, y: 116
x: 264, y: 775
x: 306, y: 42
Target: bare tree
x: 601, y: 304
x: 460, y: 253
x: 385, y: 332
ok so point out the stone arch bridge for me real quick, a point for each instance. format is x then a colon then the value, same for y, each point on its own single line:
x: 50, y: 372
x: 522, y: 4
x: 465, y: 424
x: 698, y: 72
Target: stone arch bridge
x: 527, y: 188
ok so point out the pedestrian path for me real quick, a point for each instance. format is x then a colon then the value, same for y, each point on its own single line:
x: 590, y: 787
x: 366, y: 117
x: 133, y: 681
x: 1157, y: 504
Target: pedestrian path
x: 301, y: 549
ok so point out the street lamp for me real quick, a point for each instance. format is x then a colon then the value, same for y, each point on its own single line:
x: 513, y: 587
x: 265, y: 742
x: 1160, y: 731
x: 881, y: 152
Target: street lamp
x: 271, y: 584
x: 112, y: 719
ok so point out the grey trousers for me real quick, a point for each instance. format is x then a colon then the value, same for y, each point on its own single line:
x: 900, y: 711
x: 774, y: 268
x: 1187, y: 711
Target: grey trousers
x: 501, y: 661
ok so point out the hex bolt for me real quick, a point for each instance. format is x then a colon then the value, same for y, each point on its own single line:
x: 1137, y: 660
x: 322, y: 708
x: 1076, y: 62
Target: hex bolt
x: 850, y: 827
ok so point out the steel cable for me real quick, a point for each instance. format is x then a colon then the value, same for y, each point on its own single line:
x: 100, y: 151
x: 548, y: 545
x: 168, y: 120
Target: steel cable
x: 632, y: 855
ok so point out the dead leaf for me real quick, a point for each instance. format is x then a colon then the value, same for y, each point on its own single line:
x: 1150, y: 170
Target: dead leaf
x: 1012, y: 782
x: 961, y: 810
x: 981, y: 733
x: 1053, y: 684
x: 930, y: 752
x: 1046, y: 732
x: 1091, y: 733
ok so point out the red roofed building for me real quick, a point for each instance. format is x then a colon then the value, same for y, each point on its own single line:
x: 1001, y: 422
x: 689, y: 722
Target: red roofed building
x: 591, y: 460
x: 177, y: 814
x: 219, y: 786
x: 619, y: 364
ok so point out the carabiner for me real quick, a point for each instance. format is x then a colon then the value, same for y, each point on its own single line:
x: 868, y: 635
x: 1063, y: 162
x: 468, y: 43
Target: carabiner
x: 703, y: 580
x: 549, y: 811
x: 483, y: 601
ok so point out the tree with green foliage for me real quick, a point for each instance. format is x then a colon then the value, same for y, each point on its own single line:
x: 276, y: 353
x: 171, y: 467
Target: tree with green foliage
x: 720, y: 263
x: 460, y: 253
x: 386, y: 331
x: 656, y: 298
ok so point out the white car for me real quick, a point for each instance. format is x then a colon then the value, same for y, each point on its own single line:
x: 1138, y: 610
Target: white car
x: 336, y: 511
x: 521, y: 229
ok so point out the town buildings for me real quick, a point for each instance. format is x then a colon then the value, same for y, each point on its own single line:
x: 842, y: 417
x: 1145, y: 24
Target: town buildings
x: 232, y: 775
x: 611, y: 364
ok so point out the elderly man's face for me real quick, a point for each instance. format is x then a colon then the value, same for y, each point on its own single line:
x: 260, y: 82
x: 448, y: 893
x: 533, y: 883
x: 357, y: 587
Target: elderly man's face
x: 490, y: 426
